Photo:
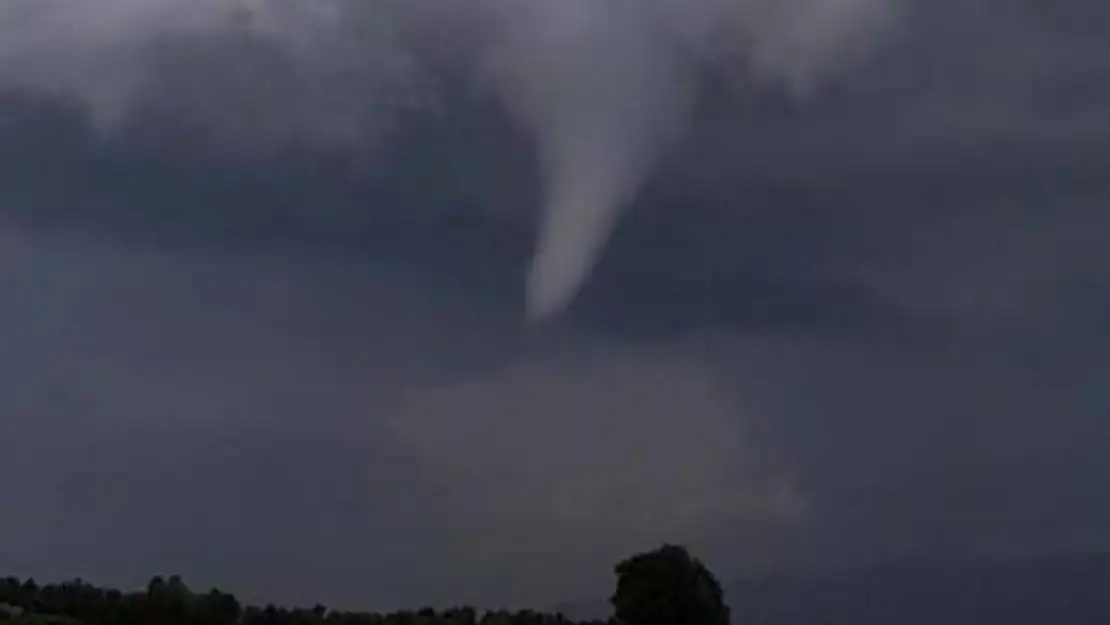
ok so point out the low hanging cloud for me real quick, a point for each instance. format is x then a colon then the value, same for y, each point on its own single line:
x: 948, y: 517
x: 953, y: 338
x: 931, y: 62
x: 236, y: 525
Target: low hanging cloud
x: 640, y: 460
x: 604, y: 87
x: 638, y: 445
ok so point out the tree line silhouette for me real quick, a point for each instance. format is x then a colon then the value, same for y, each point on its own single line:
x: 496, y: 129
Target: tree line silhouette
x: 666, y: 586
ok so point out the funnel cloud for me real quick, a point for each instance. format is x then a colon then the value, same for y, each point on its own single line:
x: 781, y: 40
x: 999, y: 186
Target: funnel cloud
x: 606, y: 87
x: 603, y: 86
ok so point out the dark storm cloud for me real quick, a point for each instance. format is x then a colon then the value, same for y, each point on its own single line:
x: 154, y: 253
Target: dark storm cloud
x: 602, y: 89
x: 878, y: 312
x: 958, y: 124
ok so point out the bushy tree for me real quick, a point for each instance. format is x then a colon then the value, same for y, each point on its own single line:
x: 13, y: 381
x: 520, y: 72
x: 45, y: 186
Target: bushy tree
x: 668, y: 586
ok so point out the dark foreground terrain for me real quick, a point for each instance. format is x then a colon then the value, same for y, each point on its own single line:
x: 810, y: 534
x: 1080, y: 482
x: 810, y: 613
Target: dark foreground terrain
x: 1057, y: 590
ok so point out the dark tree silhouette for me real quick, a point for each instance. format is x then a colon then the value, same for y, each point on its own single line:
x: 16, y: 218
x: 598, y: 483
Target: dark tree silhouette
x: 668, y: 586
x: 663, y: 587
x: 169, y: 601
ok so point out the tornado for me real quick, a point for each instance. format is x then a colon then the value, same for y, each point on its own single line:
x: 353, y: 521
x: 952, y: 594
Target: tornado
x: 603, y: 97
x: 593, y: 163
x: 606, y: 86
x: 581, y: 209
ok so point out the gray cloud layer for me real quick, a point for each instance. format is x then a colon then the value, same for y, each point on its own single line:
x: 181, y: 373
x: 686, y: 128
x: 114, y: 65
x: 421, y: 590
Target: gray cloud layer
x: 602, y: 86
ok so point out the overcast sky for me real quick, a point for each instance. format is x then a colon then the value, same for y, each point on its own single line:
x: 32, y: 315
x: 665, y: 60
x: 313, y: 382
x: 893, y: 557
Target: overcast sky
x: 265, y: 327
